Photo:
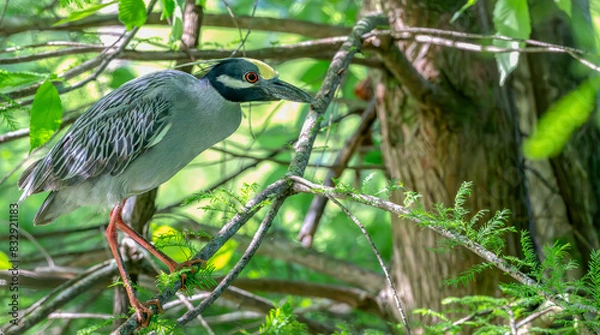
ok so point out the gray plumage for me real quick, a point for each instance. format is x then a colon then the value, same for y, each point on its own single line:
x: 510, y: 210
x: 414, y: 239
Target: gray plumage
x: 106, y: 155
x: 140, y: 135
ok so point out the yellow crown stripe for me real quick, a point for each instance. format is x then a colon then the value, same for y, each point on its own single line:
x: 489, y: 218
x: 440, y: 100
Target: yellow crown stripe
x: 265, y: 70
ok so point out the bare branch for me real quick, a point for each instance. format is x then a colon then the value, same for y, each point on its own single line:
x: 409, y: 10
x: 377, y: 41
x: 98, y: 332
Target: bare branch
x: 305, y: 186
x: 62, y: 295
x: 278, y: 191
x: 337, y: 68
x: 317, y: 206
x: 379, y: 259
x: 354, y: 297
x: 280, y: 247
x: 287, y: 26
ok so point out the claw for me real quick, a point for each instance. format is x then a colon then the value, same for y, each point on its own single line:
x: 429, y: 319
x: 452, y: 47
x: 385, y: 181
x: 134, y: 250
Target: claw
x: 143, y: 315
x: 155, y: 303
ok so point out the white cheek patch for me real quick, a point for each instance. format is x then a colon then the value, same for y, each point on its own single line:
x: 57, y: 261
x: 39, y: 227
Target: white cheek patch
x: 232, y: 82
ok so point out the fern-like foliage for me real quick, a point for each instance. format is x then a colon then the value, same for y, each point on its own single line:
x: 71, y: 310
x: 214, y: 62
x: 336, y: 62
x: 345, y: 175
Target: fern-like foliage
x: 282, y: 321
x: 226, y: 201
x: 8, y: 107
x: 569, y: 306
x: 78, y: 3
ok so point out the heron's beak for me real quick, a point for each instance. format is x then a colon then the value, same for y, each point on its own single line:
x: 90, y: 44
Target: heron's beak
x: 280, y: 90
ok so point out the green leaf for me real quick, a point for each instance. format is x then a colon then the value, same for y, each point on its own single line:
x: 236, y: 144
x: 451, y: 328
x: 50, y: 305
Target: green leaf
x: 462, y: 10
x: 168, y: 7
x: 120, y: 76
x: 373, y: 157
x: 21, y: 78
x: 564, y: 5
x: 562, y: 118
x: 76, y: 16
x: 46, y: 114
x: 177, y: 25
x: 78, y: 3
x: 132, y: 13
x: 511, y: 19
x: 314, y: 74
x: 4, y: 261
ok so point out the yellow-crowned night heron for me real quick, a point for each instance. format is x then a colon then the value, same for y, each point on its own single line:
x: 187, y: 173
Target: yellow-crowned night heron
x: 140, y: 135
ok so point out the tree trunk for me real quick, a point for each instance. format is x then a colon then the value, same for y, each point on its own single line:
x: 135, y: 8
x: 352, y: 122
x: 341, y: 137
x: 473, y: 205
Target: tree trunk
x: 432, y: 148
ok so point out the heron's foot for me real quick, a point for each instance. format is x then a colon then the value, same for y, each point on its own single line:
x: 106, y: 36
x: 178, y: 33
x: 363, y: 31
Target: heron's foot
x: 193, y: 269
x: 144, y: 313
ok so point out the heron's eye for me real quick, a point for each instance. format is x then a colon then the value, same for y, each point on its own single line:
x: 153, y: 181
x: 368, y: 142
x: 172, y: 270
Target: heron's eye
x: 251, y: 77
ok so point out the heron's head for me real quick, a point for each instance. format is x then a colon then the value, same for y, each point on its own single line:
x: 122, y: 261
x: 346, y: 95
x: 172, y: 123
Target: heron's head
x: 246, y: 79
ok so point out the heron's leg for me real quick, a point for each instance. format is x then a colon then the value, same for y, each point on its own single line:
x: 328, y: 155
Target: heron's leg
x: 142, y: 312
x: 168, y: 261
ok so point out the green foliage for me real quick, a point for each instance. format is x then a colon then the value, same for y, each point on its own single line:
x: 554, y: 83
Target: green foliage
x: 282, y: 321
x: 78, y: 3
x: 92, y: 329
x: 489, y: 234
x: 8, y: 107
x: 82, y: 14
x: 11, y: 80
x: 132, y: 13
x: 468, y: 276
x: 120, y: 76
x: 161, y: 325
x: 511, y: 18
x: 491, y: 315
x: 195, y: 276
x: 593, y: 276
x: 46, y: 114
x: 561, y: 120
x: 595, y: 19
x: 225, y: 200
x: 174, y: 9
x: 198, y: 275
x: 564, y: 5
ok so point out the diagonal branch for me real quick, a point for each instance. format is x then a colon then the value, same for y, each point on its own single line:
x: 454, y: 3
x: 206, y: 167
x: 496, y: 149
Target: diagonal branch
x: 279, y: 190
x: 317, y: 206
x: 62, y: 295
x: 304, y: 186
x: 335, y: 73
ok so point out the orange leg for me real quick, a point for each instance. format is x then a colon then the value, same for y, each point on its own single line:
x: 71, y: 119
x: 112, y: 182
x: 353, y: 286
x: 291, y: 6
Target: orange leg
x: 143, y: 313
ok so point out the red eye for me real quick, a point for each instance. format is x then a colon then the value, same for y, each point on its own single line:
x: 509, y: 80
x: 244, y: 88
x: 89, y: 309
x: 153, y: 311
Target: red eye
x: 251, y: 77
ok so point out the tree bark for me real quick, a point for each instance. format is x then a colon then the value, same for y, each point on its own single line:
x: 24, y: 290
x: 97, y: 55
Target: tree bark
x: 433, y: 147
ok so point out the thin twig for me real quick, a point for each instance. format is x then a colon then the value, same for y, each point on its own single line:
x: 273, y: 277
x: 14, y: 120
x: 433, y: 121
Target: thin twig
x: 40, y: 248
x: 248, y: 31
x: 61, y: 296
x: 226, y: 232
x: 187, y: 303
x: 258, y: 237
x: 3, y: 12
x: 339, y: 64
x: 382, y: 265
x: 303, y: 185
x: 67, y: 315
x: 280, y: 189
x: 317, y: 206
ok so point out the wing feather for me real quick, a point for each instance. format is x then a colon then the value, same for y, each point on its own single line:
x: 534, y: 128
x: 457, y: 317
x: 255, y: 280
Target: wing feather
x: 105, y: 140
